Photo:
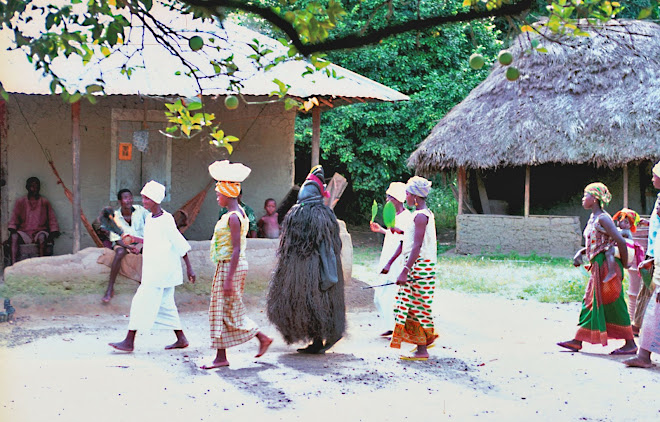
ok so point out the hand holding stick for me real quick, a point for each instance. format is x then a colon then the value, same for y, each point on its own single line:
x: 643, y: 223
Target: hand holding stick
x: 379, y: 285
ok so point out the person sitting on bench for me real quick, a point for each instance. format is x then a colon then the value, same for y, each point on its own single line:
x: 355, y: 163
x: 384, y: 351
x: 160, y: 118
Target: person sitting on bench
x: 32, y: 221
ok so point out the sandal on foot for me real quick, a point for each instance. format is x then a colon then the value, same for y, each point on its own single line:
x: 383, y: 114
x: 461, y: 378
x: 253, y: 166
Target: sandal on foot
x: 420, y: 358
x: 570, y: 346
x: 618, y: 352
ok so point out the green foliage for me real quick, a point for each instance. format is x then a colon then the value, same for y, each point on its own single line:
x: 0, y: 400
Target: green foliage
x: 443, y: 204
x: 370, y: 143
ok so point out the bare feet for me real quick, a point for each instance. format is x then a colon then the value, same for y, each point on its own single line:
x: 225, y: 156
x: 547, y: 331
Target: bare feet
x: 123, y: 346
x: 264, y: 344
x: 386, y: 333
x: 215, y: 364
x: 179, y: 344
x: 638, y: 362
x: 107, y: 297
x: 572, y: 345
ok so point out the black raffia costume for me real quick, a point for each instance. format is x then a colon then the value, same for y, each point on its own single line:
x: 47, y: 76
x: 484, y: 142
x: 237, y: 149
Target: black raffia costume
x: 306, y: 292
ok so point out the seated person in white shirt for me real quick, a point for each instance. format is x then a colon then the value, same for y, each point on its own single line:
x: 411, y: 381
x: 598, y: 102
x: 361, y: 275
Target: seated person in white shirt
x: 130, y: 218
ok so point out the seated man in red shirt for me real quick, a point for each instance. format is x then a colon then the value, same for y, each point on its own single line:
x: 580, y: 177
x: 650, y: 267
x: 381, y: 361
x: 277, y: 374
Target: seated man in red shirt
x: 32, y: 221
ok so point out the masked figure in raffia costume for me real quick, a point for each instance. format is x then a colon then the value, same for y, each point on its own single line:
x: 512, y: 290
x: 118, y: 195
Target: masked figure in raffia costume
x: 306, y: 294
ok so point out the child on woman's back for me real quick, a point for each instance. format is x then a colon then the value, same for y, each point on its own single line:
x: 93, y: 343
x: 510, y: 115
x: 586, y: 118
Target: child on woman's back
x: 268, y: 226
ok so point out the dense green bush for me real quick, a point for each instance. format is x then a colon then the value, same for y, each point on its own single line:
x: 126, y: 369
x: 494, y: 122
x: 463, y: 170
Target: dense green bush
x: 442, y: 202
x: 369, y: 143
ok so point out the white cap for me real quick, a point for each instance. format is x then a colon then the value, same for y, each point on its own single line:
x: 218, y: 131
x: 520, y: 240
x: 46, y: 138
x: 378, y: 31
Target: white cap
x: 154, y: 191
x: 224, y: 171
x: 397, y: 190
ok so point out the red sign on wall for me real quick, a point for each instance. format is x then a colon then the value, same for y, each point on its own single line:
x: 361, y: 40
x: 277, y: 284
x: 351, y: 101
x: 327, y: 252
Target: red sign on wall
x: 125, y: 151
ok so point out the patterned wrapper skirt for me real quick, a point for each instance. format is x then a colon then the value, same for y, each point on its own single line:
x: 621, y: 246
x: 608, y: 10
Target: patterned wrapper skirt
x: 230, y: 325
x: 604, y: 312
x: 650, y: 333
x: 412, y: 313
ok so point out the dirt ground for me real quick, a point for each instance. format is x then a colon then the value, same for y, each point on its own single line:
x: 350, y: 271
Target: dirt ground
x: 495, y: 360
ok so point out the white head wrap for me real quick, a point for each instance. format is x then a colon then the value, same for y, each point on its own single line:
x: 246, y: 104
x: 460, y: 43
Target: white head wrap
x: 154, y: 191
x: 656, y: 169
x: 224, y: 171
x: 397, y: 190
x: 418, y: 186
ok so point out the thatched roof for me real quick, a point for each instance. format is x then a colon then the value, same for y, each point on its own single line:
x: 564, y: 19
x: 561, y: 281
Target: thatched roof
x: 588, y: 100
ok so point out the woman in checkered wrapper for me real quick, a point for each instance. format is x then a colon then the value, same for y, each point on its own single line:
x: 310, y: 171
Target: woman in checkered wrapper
x: 230, y: 325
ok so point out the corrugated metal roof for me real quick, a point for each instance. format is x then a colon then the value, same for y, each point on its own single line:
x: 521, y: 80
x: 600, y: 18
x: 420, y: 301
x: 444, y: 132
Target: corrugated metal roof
x: 155, y: 69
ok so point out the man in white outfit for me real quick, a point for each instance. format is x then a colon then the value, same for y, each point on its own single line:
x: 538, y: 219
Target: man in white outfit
x: 163, y: 247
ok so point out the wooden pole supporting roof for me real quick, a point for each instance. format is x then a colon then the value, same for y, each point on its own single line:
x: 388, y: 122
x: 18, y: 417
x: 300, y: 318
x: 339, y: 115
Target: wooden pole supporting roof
x: 75, y: 148
x: 527, y: 183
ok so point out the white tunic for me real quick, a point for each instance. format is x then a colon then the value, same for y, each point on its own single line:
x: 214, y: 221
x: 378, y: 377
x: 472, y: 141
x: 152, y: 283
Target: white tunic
x: 163, y: 248
x: 429, y: 245
x: 384, y: 296
x: 139, y: 217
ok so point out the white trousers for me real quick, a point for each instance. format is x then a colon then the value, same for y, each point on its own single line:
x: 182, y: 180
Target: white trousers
x: 384, y: 298
x: 154, y: 307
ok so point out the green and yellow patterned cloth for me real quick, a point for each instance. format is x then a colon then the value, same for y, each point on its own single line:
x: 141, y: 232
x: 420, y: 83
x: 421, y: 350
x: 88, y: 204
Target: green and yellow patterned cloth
x: 221, y: 248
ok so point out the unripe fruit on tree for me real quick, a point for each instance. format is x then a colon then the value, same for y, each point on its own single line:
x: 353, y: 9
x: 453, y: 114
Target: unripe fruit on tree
x: 512, y: 73
x: 477, y: 61
x: 505, y: 58
x: 196, y: 43
x: 231, y: 102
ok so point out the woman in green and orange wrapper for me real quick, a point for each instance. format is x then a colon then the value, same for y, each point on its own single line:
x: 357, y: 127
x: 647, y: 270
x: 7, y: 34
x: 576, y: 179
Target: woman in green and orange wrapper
x: 604, y: 312
x: 412, y: 313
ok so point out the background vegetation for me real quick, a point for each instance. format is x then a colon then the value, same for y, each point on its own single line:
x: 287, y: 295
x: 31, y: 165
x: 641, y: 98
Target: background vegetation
x: 370, y: 143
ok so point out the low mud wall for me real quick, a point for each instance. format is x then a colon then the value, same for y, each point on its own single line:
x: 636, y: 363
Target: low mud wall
x: 558, y: 236
x: 55, y: 281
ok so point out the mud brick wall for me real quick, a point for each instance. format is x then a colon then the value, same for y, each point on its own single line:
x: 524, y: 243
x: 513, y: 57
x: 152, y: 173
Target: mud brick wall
x: 557, y: 236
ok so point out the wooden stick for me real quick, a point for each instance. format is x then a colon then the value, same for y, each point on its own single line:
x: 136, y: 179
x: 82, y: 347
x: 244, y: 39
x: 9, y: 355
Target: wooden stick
x: 527, y: 182
x: 316, y: 135
x: 625, y: 186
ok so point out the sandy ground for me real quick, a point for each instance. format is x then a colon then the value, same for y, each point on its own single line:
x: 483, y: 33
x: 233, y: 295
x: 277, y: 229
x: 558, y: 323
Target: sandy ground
x: 495, y: 360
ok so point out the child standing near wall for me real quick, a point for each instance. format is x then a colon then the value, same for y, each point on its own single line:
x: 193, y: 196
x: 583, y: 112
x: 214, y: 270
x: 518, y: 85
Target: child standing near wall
x: 268, y: 225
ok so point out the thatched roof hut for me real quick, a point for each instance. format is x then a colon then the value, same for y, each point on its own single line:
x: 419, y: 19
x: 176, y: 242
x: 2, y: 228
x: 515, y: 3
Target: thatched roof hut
x: 588, y: 103
x: 588, y: 100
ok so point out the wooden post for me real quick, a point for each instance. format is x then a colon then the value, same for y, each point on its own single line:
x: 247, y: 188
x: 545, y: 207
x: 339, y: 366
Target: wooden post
x: 483, y: 195
x: 527, y: 181
x: 625, y: 186
x: 75, y: 147
x: 4, y: 203
x: 460, y: 178
x: 316, y: 135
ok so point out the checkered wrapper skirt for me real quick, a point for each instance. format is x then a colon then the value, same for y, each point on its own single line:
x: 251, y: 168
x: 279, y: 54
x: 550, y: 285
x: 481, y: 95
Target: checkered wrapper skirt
x: 230, y: 325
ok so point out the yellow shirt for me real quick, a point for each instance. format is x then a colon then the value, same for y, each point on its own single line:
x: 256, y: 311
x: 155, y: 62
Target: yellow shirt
x: 221, y: 249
